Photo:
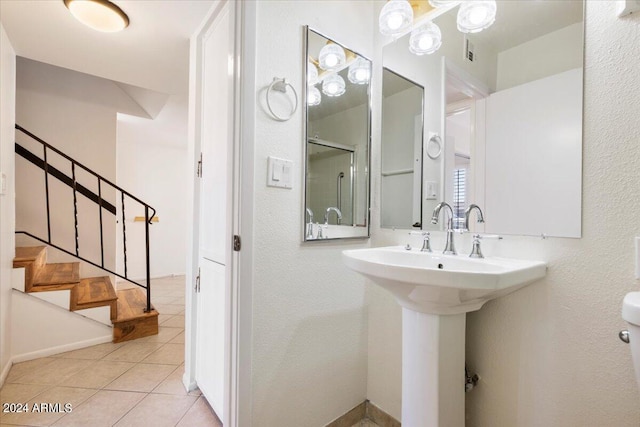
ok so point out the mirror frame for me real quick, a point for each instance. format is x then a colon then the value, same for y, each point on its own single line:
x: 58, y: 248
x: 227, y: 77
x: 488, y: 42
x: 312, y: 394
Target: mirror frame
x: 367, y: 193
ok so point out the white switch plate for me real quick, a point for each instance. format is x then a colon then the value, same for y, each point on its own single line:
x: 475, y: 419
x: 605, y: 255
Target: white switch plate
x: 279, y: 172
x: 637, y: 257
x: 431, y: 190
x: 3, y: 184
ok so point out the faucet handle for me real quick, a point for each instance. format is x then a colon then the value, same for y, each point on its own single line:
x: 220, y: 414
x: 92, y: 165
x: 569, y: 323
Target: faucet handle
x: 426, y: 243
x: 475, y: 251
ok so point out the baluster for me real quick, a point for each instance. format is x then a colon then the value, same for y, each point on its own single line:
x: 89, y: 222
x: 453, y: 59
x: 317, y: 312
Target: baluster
x: 101, y: 232
x: 124, y: 236
x: 147, y: 220
x: 46, y: 189
x: 75, y: 205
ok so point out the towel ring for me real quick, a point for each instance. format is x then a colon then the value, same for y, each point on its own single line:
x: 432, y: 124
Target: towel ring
x: 437, y: 141
x: 281, y: 86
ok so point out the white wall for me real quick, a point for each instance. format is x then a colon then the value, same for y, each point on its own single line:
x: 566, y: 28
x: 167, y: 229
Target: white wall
x: 309, y: 316
x: 151, y: 163
x: 7, y: 200
x: 548, y: 355
x: 75, y: 113
x: 542, y: 57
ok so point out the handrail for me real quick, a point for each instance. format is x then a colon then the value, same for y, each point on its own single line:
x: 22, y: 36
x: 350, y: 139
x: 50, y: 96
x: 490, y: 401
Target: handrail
x: 77, y: 187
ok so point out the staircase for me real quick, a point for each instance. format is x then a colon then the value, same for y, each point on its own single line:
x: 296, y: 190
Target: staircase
x: 125, y: 309
x: 128, y: 311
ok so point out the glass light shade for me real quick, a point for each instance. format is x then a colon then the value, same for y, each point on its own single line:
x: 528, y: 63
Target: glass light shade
x: 313, y: 96
x: 438, y: 3
x: 312, y: 73
x: 101, y: 15
x: 425, y: 39
x: 395, y: 17
x: 333, y: 85
x: 331, y: 57
x: 476, y: 15
x: 359, y: 72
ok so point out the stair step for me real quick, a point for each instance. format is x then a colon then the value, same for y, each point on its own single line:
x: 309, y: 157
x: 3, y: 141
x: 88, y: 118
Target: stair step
x: 57, y: 276
x: 29, y: 253
x: 132, y: 322
x: 31, y: 258
x: 94, y: 292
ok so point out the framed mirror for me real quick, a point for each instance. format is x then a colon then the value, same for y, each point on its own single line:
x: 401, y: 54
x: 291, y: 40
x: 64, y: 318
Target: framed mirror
x: 337, y: 142
x: 507, y: 102
x: 402, y: 148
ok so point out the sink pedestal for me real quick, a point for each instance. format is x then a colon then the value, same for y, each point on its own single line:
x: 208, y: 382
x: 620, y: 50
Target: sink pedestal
x: 433, y: 357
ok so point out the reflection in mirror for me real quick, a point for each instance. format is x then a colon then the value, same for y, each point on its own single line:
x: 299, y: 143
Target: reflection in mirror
x: 511, y: 119
x: 402, y: 136
x: 337, y: 143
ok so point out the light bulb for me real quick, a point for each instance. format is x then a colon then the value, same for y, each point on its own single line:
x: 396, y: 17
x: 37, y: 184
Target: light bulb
x: 395, y: 17
x: 333, y: 85
x: 359, y: 72
x: 476, y: 15
x: 331, y: 60
x: 331, y: 57
x: 313, y: 96
x: 394, y: 21
x: 425, y: 39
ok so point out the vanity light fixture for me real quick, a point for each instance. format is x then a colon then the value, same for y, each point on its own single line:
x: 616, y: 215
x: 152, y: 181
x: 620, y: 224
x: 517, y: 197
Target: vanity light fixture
x: 101, y: 15
x: 333, y: 85
x: 313, y: 96
x: 331, y: 57
x: 359, y: 72
x: 426, y: 38
x: 475, y: 16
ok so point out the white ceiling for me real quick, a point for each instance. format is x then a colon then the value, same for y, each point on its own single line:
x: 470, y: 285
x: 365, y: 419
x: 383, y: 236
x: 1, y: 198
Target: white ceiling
x: 152, y: 53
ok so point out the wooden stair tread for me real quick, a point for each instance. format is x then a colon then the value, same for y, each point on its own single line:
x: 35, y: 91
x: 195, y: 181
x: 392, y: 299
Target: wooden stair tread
x: 95, y: 290
x: 66, y: 273
x: 131, y: 305
x: 28, y: 253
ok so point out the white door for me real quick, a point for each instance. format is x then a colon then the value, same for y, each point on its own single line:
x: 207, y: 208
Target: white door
x: 215, y: 215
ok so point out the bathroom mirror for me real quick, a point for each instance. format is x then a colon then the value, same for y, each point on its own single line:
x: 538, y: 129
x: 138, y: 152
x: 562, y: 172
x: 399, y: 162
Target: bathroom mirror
x: 337, y: 140
x: 507, y: 102
x: 402, y: 142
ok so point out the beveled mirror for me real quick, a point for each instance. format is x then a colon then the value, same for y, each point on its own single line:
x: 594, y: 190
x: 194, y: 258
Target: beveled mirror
x: 337, y: 141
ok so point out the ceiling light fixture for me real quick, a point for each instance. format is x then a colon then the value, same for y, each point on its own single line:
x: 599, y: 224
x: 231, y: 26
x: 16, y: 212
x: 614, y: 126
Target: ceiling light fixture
x: 313, y: 96
x: 359, y: 72
x: 101, y: 15
x: 426, y: 37
x: 331, y: 57
x: 333, y: 85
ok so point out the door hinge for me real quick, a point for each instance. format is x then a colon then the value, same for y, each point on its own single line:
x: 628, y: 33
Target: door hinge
x: 197, y: 287
x: 199, y: 170
x: 237, y: 244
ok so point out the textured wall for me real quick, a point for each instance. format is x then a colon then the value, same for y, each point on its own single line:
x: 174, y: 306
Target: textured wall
x: 309, y: 319
x: 548, y: 355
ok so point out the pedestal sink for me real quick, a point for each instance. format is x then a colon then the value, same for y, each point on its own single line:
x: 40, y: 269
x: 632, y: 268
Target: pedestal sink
x: 435, y: 292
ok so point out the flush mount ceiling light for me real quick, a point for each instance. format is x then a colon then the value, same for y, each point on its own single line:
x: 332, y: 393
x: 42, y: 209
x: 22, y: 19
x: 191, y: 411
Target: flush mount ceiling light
x: 331, y: 57
x: 313, y: 96
x: 359, y: 72
x: 475, y: 16
x: 395, y: 17
x: 101, y: 15
x: 425, y: 39
x: 333, y: 85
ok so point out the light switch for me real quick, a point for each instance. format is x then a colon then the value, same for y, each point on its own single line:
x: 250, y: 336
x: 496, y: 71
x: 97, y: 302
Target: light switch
x: 3, y: 184
x: 431, y: 190
x: 279, y: 172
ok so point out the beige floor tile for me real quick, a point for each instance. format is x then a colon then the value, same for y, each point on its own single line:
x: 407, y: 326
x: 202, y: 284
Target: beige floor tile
x: 176, y: 321
x: 365, y: 423
x: 170, y: 354
x: 142, y: 377
x: 165, y: 334
x: 169, y: 308
x: 99, y: 374
x: 201, y: 415
x: 55, y: 372
x: 179, y: 339
x: 103, y: 409
x: 94, y: 352
x: 164, y: 317
x: 173, y: 385
x: 42, y: 413
x: 158, y: 410
x: 158, y: 299
x: 15, y: 393
x: 22, y: 368
x: 133, y: 351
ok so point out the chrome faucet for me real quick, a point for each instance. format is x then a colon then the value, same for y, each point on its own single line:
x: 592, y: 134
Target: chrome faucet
x: 467, y: 213
x: 326, y: 215
x: 310, y: 224
x: 449, y: 247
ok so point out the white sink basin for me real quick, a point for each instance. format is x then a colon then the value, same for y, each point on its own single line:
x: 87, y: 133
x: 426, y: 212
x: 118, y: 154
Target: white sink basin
x: 442, y: 284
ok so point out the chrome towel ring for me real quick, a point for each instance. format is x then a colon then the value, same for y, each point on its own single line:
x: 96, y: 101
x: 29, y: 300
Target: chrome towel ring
x: 281, y: 85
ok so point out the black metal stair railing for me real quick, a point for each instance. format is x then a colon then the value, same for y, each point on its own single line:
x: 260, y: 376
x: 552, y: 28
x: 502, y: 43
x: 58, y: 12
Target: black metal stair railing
x: 50, y: 170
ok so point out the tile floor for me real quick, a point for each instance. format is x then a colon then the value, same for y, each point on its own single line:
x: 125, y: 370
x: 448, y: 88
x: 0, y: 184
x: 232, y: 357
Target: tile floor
x: 136, y: 383
x: 365, y: 423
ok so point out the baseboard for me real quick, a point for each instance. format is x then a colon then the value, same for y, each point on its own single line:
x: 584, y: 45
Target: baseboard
x: 365, y: 410
x: 5, y: 372
x: 60, y: 349
x: 188, y: 383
